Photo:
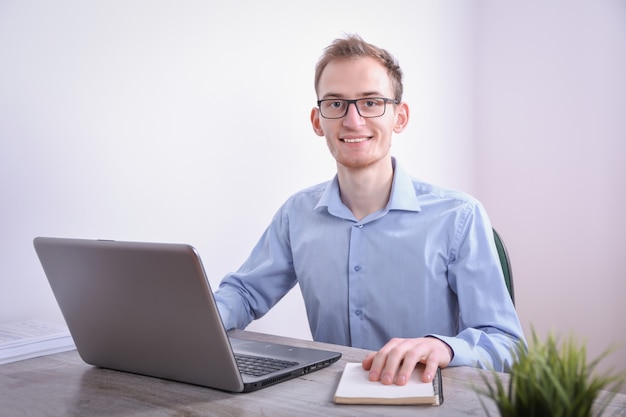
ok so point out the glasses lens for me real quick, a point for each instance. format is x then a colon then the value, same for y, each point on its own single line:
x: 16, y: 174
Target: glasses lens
x: 333, y: 109
x: 371, y: 107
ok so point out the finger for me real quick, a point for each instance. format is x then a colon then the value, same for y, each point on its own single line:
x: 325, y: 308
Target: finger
x: 393, y: 362
x: 379, y: 361
x: 407, y: 367
x: 430, y: 369
x: 367, y: 362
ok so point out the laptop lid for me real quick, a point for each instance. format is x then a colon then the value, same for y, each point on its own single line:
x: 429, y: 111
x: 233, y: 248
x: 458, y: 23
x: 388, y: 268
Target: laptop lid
x: 148, y: 308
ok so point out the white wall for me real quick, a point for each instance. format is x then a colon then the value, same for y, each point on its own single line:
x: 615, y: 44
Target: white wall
x: 152, y: 120
x: 189, y: 122
x: 550, y: 154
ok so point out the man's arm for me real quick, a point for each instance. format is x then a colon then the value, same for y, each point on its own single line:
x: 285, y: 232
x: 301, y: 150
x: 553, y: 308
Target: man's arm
x: 264, y: 278
x: 489, y: 329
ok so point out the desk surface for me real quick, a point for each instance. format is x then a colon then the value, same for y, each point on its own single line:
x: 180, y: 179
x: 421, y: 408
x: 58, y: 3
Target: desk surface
x: 63, y: 385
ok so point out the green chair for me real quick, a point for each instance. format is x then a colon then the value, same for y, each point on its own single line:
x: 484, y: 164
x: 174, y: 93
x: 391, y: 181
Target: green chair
x: 506, y: 264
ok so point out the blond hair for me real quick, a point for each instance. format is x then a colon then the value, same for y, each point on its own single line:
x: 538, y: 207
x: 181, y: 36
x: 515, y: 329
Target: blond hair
x: 352, y: 47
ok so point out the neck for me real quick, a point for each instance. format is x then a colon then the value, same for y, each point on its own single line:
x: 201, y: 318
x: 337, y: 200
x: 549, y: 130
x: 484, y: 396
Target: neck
x: 365, y: 190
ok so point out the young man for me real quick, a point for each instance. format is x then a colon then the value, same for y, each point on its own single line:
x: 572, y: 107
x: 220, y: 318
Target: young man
x: 384, y: 262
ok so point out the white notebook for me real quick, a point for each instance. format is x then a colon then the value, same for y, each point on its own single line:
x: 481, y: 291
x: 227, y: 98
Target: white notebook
x: 355, y: 388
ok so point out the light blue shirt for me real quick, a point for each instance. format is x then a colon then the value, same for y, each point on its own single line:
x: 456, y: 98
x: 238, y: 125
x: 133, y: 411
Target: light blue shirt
x: 424, y: 265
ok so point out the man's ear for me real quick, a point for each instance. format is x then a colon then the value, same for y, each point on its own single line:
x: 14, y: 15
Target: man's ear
x: 401, y: 117
x: 315, y: 122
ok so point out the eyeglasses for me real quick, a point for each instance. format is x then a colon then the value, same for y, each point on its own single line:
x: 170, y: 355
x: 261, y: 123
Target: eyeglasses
x: 335, y: 108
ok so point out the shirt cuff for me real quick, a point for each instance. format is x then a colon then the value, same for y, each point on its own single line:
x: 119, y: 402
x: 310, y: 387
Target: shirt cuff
x: 225, y: 316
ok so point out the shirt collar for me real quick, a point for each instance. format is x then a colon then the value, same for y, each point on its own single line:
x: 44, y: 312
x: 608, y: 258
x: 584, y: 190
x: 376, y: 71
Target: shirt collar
x: 402, y: 195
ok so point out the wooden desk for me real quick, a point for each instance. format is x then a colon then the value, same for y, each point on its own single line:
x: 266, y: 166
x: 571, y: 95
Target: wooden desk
x: 63, y: 385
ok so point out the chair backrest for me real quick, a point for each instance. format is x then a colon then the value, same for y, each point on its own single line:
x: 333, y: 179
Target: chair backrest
x: 506, y: 264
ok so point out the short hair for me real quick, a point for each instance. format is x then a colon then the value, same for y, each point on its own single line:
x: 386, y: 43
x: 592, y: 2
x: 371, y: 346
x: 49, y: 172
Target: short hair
x: 352, y: 47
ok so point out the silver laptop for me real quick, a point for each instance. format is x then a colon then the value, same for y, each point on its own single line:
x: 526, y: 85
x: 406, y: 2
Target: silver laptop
x: 148, y: 308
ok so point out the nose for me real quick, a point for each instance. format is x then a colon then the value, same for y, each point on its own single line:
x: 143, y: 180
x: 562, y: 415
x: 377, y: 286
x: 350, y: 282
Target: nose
x: 353, y: 117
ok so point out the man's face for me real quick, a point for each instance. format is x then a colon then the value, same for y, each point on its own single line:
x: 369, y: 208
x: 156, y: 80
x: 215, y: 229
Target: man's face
x: 354, y: 141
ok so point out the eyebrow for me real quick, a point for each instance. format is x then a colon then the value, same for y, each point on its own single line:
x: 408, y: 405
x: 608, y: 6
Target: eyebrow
x: 361, y: 95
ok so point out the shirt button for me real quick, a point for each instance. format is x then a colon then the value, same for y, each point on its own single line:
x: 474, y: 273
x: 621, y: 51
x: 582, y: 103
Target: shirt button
x: 358, y: 312
x: 357, y: 268
x: 360, y: 226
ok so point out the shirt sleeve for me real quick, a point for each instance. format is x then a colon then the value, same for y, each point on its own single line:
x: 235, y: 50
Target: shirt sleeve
x: 490, y: 333
x: 263, y: 279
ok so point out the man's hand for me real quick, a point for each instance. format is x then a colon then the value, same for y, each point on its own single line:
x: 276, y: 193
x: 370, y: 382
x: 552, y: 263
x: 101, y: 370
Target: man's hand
x: 395, y: 361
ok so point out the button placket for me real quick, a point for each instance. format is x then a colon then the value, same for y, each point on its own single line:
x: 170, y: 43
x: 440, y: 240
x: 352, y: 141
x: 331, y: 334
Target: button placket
x: 357, y: 295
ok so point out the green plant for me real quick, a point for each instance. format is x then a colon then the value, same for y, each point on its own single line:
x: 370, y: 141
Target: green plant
x: 551, y: 379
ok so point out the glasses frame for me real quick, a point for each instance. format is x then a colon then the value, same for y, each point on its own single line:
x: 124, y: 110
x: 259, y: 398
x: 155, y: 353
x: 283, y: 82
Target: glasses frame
x: 354, y: 101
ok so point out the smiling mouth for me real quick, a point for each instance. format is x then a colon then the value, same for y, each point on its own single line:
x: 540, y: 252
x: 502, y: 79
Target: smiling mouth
x: 354, y: 140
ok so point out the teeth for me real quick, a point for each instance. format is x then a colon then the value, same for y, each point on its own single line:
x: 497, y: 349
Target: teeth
x: 355, y: 140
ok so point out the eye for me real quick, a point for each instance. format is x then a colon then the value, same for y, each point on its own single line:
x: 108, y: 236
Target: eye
x: 334, y: 104
x: 372, y: 102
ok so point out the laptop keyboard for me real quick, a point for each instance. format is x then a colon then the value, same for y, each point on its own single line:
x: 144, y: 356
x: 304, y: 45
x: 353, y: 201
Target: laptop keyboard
x: 257, y: 366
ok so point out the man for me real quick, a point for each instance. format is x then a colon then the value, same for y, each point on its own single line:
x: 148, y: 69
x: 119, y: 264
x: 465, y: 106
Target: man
x: 384, y: 262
